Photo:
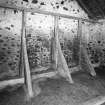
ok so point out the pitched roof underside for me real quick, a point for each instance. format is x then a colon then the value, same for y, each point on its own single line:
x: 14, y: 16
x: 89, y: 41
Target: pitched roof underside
x: 94, y: 8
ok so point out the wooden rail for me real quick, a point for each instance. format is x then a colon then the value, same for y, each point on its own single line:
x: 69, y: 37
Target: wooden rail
x: 5, y: 83
x: 27, y: 73
x: 80, y: 40
x: 47, y: 13
x: 12, y: 82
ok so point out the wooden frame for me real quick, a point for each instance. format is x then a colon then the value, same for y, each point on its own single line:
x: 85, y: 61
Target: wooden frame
x: 21, y: 81
x: 56, y: 39
x: 21, y: 69
x: 83, y: 49
x: 27, y: 73
x: 11, y: 82
x: 80, y: 37
x: 25, y: 65
x: 59, y: 54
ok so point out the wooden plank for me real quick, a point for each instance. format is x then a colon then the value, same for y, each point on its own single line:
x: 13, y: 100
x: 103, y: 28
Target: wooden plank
x: 96, y: 101
x: 56, y: 39
x: 21, y: 65
x: 12, y: 82
x: 46, y: 13
x: 80, y: 38
x: 44, y: 75
x: 53, y: 60
x: 21, y: 81
x: 65, y: 68
x: 91, y: 68
x: 59, y: 54
x: 82, y: 48
x: 27, y: 73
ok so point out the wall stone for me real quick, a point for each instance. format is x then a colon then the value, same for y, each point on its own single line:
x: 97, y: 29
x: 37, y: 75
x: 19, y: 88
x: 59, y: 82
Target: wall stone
x: 39, y: 32
x: 93, y: 34
x: 10, y: 34
x: 68, y: 7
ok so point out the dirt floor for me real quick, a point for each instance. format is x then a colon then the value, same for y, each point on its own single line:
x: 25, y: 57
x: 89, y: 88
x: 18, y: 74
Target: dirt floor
x: 59, y: 91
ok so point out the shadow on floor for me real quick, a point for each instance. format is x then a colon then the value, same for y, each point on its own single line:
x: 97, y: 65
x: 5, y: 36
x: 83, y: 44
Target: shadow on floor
x: 100, y: 71
x: 59, y: 91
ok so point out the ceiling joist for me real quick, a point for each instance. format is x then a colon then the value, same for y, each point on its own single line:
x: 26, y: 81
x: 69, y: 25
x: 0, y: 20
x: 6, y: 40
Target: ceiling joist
x: 47, y: 13
x: 85, y: 8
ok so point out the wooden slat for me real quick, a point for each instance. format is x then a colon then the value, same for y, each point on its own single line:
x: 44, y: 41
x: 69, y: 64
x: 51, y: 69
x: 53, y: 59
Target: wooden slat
x: 44, y: 75
x: 82, y: 48
x: 61, y: 59
x: 27, y: 73
x: 21, y: 65
x: 17, y: 81
x: 52, y: 49
x: 80, y: 39
x: 59, y: 55
x: 12, y: 82
x: 46, y: 13
x: 56, y: 39
x: 89, y: 64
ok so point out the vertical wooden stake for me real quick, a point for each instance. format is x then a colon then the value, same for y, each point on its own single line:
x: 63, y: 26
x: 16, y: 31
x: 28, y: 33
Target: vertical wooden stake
x: 52, y: 50
x: 91, y: 68
x: 80, y: 38
x: 64, y: 64
x: 27, y: 73
x: 21, y: 64
x: 83, y: 49
x: 56, y: 40
x: 58, y: 53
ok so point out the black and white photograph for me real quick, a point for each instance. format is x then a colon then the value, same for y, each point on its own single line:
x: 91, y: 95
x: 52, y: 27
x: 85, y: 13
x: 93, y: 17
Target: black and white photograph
x: 52, y: 52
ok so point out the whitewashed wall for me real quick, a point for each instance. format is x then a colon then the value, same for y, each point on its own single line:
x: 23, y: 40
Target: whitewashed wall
x: 10, y: 27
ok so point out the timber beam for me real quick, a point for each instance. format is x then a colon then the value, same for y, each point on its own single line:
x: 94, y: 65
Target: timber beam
x: 46, y: 13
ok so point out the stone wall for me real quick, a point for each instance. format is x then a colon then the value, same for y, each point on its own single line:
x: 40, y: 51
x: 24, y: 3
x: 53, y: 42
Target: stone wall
x: 10, y: 39
x: 68, y: 7
x: 94, y: 37
x: 39, y: 30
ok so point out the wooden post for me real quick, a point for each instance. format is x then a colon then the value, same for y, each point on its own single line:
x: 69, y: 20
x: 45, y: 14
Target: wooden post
x: 64, y: 64
x: 91, y: 68
x: 55, y: 40
x: 83, y: 49
x: 21, y: 64
x: 2, y: 5
x: 80, y: 40
x: 53, y: 65
x: 27, y: 73
x: 89, y: 64
x: 59, y: 57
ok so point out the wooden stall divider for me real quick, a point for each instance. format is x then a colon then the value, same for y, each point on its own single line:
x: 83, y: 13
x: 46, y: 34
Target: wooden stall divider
x: 84, y: 51
x: 60, y: 56
x: 80, y: 41
x: 27, y: 72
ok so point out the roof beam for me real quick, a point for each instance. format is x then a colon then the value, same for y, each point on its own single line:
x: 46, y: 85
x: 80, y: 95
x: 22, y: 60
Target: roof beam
x: 99, y: 8
x: 46, y: 13
x: 85, y: 8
